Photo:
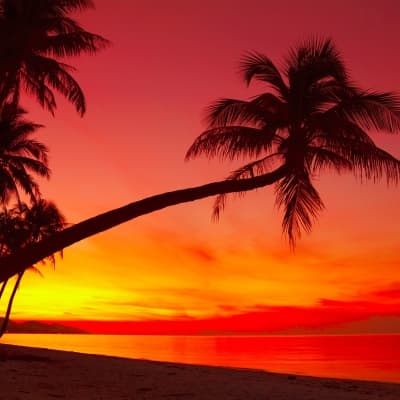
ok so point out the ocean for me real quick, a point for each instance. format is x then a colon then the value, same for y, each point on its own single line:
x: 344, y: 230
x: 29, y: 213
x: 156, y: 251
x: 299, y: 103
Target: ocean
x: 366, y: 357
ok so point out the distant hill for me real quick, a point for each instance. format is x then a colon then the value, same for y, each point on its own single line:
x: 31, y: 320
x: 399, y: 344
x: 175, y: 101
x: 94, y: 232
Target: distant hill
x: 40, y: 327
x: 372, y: 325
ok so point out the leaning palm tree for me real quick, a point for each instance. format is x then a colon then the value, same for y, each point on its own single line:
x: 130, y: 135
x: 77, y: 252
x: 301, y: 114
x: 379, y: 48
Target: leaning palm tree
x: 22, y: 158
x: 21, y: 226
x: 311, y: 118
x: 35, y: 36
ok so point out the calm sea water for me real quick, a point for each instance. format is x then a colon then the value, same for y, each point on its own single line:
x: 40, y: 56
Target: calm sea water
x: 371, y: 357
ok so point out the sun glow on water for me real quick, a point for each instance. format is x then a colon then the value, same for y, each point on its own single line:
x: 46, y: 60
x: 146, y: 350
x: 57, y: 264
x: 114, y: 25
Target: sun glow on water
x: 369, y: 357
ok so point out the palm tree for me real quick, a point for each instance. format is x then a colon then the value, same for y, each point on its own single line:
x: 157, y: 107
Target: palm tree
x: 35, y: 35
x: 21, y: 226
x: 311, y: 118
x: 12, y: 236
x: 21, y: 157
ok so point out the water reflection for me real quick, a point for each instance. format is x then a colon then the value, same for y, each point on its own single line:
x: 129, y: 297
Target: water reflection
x: 375, y: 357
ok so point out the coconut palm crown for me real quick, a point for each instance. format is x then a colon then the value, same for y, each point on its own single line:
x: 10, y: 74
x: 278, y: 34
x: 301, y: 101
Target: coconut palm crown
x: 35, y: 35
x: 22, y: 158
x: 311, y: 118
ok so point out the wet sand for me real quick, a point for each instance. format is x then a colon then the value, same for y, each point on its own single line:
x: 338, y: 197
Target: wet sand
x: 41, y: 374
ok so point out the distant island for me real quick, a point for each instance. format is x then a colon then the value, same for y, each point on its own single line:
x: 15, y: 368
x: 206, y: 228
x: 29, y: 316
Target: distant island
x: 374, y: 325
x: 40, y: 327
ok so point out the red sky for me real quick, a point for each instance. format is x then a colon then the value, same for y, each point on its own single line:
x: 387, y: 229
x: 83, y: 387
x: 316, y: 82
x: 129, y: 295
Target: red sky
x: 146, y: 95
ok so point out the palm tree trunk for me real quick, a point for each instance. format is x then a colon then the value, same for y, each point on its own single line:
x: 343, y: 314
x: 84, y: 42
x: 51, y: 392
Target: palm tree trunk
x: 4, y: 283
x: 30, y: 255
x: 10, y: 303
x: 3, y: 286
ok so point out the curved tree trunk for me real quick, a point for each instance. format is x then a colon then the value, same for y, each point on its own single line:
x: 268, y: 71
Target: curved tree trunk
x: 10, y: 303
x: 30, y: 255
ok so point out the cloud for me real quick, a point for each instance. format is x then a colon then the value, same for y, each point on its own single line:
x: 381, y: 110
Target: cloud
x: 201, y: 253
x: 327, y: 316
x: 391, y: 292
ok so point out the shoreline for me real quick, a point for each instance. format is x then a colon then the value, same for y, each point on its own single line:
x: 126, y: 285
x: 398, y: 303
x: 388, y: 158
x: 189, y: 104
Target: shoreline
x: 36, y: 373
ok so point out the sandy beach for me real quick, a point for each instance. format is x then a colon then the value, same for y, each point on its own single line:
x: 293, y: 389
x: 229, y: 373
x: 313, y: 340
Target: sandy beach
x: 30, y: 373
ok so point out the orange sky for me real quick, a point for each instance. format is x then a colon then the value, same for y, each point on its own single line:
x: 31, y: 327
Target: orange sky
x: 145, y: 100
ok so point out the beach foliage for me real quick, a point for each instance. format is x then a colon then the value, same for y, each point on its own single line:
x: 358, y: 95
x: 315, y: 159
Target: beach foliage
x: 22, y: 225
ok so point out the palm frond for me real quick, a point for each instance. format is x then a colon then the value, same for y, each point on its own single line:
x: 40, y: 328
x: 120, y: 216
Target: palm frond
x: 335, y: 133
x: 24, y: 180
x: 20, y: 156
x: 34, y: 85
x: 257, y: 167
x: 16, y: 132
x: 325, y: 94
x: 301, y: 203
x: 226, y: 112
x: 63, y: 82
x: 73, y: 44
x: 11, y: 120
x: 371, y: 110
x: 13, y: 126
x: 74, y: 5
x: 44, y: 8
x: 219, y: 206
x: 331, y: 125
x: 249, y: 170
x: 61, y: 24
x: 232, y: 142
x: 31, y: 148
x: 38, y: 167
x: 320, y: 158
x: 314, y: 60
x: 368, y: 162
x: 258, y: 66
x: 35, y: 270
x: 57, y: 76
x: 8, y: 185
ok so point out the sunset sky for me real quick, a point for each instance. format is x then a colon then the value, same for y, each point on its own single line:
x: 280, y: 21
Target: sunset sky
x: 146, y: 95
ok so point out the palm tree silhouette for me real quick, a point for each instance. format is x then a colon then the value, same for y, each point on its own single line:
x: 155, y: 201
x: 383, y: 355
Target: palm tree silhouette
x: 35, y: 35
x: 21, y: 156
x: 23, y: 225
x: 311, y: 118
